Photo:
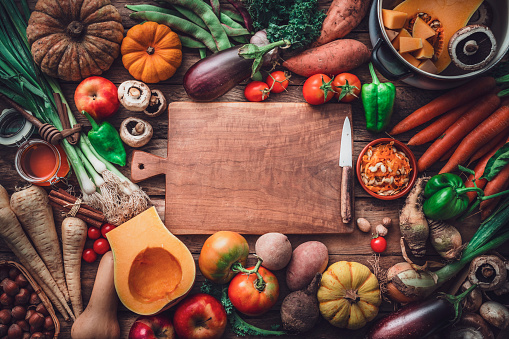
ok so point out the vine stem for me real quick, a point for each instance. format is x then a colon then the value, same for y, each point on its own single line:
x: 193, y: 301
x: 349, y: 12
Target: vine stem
x: 259, y: 283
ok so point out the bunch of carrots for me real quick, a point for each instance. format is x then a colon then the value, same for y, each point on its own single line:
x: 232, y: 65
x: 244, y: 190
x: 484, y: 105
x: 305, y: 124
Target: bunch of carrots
x: 472, y: 124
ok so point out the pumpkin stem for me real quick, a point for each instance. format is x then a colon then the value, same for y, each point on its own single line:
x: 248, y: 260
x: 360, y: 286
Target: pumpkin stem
x: 150, y: 50
x: 75, y: 29
x: 352, y: 296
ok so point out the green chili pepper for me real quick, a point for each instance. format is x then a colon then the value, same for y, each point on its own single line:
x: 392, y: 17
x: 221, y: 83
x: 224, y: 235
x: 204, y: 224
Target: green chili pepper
x: 378, y: 101
x: 106, y: 141
x: 446, y: 196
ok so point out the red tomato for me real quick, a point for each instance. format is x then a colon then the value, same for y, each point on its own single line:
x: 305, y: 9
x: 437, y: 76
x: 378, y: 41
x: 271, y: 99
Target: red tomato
x: 94, y: 233
x: 317, y: 89
x: 278, y: 81
x: 347, y: 87
x: 256, y: 91
x: 106, y: 228
x: 89, y: 255
x: 247, y: 299
x: 378, y: 244
x: 101, y: 246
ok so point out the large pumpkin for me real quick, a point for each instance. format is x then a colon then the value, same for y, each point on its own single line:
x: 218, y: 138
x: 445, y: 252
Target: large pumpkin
x: 349, y: 295
x: 74, y: 39
x: 151, y: 52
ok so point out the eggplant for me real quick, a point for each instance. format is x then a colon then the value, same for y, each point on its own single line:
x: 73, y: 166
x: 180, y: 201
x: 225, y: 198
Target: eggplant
x: 419, y: 319
x: 213, y: 76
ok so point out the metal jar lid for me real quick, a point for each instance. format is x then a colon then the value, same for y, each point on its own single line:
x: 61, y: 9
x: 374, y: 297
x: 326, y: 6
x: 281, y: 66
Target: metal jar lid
x: 14, y: 128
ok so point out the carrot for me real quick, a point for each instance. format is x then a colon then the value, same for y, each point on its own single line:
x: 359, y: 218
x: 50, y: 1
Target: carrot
x: 498, y: 184
x: 342, y: 17
x: 31, y: 206
x: 439, y: 126
x: 15, y: 238
x: 449, y: 152
x: 479, y: 171
x: 500, y: 138
x: 452, y: 99
x: 74, y: 236
x: 466, y: 123
x: 482, y: 134
x: 332, y: 58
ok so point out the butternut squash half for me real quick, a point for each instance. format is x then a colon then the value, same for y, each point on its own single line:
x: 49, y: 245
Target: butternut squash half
x: 153, y: 269
x: 445, y: 17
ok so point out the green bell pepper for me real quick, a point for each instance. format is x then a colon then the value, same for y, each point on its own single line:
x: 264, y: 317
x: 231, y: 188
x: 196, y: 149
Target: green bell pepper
x: 446, y: 196
x: 378, y: 101
x: 106, y: 141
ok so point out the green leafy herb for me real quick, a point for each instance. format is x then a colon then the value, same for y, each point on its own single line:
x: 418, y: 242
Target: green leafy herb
x: 495, y: 164
x: 298, y: 21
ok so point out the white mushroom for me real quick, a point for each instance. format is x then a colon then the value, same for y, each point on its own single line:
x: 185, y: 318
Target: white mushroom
x: 134, y: 95
x: 157, y: 104
x: 135, y: 132
x: 472, y: 47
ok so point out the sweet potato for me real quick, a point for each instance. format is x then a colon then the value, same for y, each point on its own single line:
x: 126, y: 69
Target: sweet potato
x: 308, y: 259
x: 332, y: 58
x: 342, y: 17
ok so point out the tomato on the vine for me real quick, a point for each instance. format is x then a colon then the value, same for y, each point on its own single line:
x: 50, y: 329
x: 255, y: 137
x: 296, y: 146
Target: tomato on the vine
x: 317, y: 89
x: 278, y: 81
x: 347, y: 87
x: 89, y: 255
x: 94, y: 233
x: 106, y: 228
x: 247, y: 298
x: 256, y: 91
x: 378, y: 244
x: 101, y: 246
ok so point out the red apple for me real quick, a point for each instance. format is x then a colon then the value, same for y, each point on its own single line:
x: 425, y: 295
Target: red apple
x: 152, y: 327
x: 200, y: 316
x: 97, y: 96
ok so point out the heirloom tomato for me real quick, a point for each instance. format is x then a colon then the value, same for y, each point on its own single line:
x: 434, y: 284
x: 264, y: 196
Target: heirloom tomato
x: 220, y: 252
x: 249, y: 295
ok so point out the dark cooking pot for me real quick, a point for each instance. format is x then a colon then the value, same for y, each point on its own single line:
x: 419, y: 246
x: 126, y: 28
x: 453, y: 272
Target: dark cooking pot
x: 392, y: 65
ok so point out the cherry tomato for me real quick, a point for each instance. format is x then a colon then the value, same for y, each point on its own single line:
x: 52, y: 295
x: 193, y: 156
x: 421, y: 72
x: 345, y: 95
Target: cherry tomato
x: 317, y: 89
x: 347, y: 87
x: 101, y: 246
x: 378, y: 244
x: 219, y: 253
x: 278, y: 81
x: 256, y: 91
x: 106, y: 228
x: 89, y: 255
x: 246, y: 298
x: 94, y: 233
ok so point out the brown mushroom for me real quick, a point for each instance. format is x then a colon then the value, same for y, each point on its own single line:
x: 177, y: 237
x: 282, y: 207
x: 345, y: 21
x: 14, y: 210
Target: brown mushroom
x: 472, y: 47
x: 501, y: 294
x: 495, y: 313
x: 134, y: 95
x: 135, y: 132
x: 157, y: 104
x: 488, y: 272
x: 471, y: 326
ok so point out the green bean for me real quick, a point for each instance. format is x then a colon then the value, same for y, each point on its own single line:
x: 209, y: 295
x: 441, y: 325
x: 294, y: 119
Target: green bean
x: 240, y: 39
x: 215, y: 7
x: 190, y: 42
x: 235, y: 31
x: 232, y: 15
x: 191, y: 16
x: 179, y: 24
x: 151, y: 8
x: 203, y: 53
x: 210, y: 19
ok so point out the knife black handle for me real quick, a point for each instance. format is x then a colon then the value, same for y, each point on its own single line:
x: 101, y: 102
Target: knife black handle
x: 346, y: 194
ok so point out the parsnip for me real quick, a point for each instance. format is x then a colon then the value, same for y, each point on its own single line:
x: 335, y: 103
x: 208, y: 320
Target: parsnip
x: 74, y: 236
x: 446, y: 239
x: 31, y: 206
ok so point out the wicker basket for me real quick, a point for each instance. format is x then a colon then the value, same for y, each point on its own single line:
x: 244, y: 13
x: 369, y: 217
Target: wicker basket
x: 38, y: 290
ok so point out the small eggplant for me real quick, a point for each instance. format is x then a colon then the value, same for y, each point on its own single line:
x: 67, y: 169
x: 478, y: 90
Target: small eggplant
x: 215, y: 75
x: 419, y: 319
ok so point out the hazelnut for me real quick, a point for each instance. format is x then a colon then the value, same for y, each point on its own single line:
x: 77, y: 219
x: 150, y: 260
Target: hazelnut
x: 363, y: 225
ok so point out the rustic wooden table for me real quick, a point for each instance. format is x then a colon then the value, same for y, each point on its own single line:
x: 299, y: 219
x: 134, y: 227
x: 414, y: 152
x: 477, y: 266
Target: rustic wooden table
x: 351, y: 247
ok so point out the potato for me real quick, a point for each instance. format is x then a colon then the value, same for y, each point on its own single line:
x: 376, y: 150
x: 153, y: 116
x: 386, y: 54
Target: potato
x: 308, y: 259
x: 275, y: 250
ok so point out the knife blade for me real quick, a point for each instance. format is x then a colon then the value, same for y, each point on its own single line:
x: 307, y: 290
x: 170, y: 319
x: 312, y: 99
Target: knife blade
x: 345, y: 162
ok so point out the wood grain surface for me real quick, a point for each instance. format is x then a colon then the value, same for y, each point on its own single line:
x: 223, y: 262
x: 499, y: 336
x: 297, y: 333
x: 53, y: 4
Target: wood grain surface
x: 352, y: 246
x: 251, y: 168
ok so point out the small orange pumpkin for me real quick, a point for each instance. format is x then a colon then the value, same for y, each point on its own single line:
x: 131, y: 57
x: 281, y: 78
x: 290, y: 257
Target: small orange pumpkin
x: 151, y: 52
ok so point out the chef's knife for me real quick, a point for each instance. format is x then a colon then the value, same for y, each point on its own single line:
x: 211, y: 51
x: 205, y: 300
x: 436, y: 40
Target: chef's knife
x: 345, y: 162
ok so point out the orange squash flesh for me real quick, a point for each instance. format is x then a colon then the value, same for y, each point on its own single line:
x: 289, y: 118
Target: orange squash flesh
x: 403, y: 33
x: 409, y: 44
x: 426, y: 52
x: 411, y: 59
x: 393, y: 19
x: 452, y: 15
x: 422, y: 30
x: 153, y: 269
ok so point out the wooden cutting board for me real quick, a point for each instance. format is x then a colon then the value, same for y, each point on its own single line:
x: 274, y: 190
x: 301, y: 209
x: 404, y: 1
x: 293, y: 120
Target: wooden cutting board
x: 250, y: 167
